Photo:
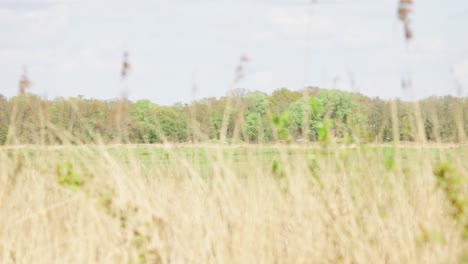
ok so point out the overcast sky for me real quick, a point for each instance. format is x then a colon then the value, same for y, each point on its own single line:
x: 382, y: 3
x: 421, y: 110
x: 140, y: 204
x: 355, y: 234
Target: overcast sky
x: 75, y: 47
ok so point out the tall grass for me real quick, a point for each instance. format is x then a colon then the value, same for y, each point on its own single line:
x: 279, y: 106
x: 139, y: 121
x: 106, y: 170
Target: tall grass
x: 285, y: 203
x: 227, y: 204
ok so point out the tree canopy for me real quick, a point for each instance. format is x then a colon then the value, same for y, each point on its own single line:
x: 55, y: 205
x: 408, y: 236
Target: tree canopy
x: 255, y: 117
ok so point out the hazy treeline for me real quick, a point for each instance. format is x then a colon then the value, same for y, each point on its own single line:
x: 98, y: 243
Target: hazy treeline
x: 313, y: 114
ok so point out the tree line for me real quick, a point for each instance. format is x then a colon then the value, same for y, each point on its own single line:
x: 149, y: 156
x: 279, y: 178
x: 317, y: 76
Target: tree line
x: 312, y: 114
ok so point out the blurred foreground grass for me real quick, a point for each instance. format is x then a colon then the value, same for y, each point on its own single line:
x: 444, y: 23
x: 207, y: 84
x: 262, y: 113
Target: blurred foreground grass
x: 233, y: 204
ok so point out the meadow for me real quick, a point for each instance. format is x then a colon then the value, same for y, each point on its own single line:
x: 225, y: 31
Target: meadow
x: 213, y: 203
x: 314, y: 175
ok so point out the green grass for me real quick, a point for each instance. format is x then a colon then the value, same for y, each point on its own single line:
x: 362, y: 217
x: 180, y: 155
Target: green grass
x: 202, y: 157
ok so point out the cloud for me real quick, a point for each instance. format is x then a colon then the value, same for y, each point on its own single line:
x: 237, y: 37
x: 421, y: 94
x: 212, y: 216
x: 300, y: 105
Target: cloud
x: 289, y: 27
x: 35, y: 3
x: 261, y: 80
x: 325, y: 31
x: 64, y: 61
x: 361, y: 37
x: 299, y: 21
x: 32, y: 27
x: 460, y: 70
x: 10, y: 57
x: 433, y: 45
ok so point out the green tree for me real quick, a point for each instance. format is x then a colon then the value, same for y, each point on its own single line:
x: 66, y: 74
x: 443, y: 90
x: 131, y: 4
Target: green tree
x: 316, y: 115
x: 258, y: 121
x: 25, y: 118
x: 341, y: 109
x: 4, y: 119
x: 281, y: 100
x: 144, y: 125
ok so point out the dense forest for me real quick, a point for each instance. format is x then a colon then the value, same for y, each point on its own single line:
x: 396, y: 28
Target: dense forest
x: 312, y: 114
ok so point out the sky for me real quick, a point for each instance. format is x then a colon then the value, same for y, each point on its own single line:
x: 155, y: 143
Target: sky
x: 182, y: 50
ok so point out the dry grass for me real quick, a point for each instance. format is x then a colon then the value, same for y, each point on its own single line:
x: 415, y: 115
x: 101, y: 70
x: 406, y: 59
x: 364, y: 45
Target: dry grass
x: 233, y: 204
x: 242, y: 205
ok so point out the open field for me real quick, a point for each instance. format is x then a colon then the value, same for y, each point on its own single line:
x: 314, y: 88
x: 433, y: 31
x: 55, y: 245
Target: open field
x: 260, y: 131
x: 232, y: 204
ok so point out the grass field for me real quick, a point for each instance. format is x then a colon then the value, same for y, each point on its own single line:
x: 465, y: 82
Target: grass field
x: 233, y: 204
